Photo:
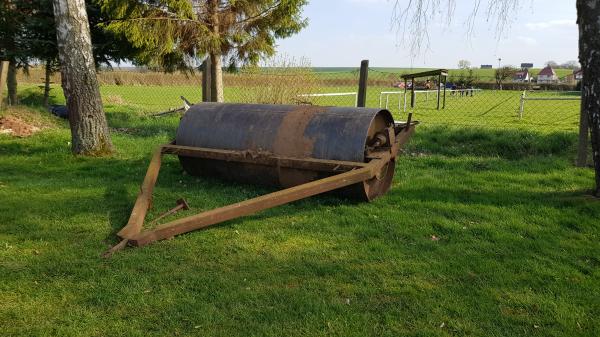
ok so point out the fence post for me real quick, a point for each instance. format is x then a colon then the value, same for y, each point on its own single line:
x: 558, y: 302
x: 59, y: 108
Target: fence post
x: 412, y: 93
x: 522, y: 105
x: 582, y: 147
x: 362, y: 84
x: 206, y: 81
x: 405, y: 85
x: 3, y: 74
x: 445, y: 82
x: 438, y: 91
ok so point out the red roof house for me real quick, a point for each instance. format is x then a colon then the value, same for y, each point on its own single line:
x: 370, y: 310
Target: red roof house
x: 522, y: 76
x: 547, y: 75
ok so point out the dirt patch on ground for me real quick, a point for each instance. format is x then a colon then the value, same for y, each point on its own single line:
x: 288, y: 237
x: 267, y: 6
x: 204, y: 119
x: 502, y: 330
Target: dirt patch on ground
x: 14, y: 126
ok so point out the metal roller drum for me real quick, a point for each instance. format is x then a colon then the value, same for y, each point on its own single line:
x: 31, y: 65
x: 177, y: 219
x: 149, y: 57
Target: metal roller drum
x: 296, y: 131
x: 308, y: 150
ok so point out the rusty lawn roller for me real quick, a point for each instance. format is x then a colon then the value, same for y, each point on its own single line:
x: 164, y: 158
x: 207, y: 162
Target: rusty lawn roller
x: 306, y: 150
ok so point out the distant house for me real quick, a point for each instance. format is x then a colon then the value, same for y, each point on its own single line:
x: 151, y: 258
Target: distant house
x: 522, y: 76
x: 547, y: 75
x: 486, y: 66
x: 575, y: 77
x: 526, y: 65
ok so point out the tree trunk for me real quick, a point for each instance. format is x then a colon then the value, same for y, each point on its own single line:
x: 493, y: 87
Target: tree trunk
x: 584, y: 135
x: 216, y: 76
x: 11, y: 83
x: 216, y: 62
x: 3, y: 73
x: 588, y: 19
x: 89, y: 130
x: 48, y: 73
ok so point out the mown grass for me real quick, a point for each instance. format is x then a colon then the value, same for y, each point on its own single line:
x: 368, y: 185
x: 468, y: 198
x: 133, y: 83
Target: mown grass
x: 516, y: 254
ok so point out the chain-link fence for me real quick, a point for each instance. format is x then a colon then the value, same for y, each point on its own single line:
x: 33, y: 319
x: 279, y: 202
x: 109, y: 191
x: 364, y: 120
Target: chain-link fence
x: 148, y: 93
x: 477, y: 102
x: 465, y: 99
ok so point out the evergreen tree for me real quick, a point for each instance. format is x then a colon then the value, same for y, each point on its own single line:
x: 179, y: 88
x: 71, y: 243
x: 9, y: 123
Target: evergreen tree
x: 12, y: 17
x: 171, y: 32
x: 28, y: 35
x: 39, y: 37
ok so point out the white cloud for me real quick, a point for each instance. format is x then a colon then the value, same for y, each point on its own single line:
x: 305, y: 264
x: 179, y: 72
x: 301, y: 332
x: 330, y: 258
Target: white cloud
x: 526, y: 40
x: 551, y: 24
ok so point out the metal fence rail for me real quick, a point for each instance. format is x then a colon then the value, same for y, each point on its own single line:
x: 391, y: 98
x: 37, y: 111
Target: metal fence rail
x: 552, y: 96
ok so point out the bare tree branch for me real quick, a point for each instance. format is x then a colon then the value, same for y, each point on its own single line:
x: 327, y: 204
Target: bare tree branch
x: 411, y: 19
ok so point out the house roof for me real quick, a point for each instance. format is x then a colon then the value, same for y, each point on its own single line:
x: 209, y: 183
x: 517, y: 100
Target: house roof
x: 577, y: 72
x: 547, y: 71
x: 521, y: 74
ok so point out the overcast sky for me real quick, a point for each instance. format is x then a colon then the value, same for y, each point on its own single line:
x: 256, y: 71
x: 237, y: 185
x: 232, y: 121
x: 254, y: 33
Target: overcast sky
x: 342, y: 32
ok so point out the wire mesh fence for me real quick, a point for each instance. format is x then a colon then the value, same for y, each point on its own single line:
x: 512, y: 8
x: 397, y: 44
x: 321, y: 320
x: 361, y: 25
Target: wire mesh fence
x: 464, y: 100
x: 476, y: 102
x: 272, y: 86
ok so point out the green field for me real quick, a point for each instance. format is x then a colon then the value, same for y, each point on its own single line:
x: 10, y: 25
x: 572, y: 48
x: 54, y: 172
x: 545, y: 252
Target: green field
x: 487, y: 73
x: 516, y: 253
x: 486, y: 108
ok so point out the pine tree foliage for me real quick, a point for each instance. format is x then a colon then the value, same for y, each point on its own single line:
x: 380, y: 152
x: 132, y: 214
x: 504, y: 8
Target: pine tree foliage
x: 28, y: 33
x: 12, y: 19
x: 27, y: 30
x: 174, y: 30
x: 28, y: 36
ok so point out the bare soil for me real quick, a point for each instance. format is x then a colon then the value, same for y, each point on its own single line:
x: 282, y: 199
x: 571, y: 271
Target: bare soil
x: 14, y: 126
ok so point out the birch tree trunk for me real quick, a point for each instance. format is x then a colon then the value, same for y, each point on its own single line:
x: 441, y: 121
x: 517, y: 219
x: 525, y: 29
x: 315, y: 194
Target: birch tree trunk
x: 89, y: 130
x: 588, y: 19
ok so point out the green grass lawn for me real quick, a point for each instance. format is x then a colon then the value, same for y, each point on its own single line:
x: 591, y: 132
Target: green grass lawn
x: 488, y: 108
x: 517, y: 251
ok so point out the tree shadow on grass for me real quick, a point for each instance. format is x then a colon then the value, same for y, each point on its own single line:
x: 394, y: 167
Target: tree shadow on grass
x: 19, y: 148
x: 34, y: 96
x: 509, y: 144
x: 126, y: 121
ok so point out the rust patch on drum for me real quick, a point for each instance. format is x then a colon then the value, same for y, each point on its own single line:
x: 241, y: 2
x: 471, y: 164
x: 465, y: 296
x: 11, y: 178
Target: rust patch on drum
x: 290, y: 140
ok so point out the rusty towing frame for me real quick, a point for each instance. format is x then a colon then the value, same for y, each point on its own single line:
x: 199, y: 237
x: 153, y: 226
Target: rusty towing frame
x: 303, y: 170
